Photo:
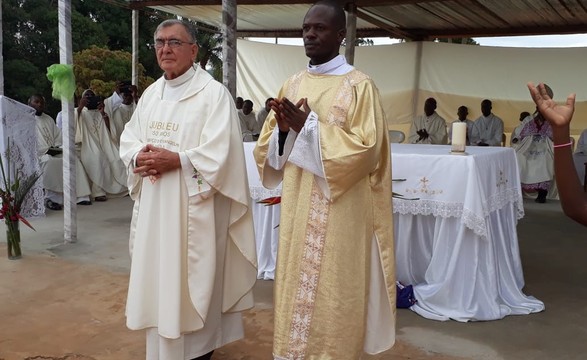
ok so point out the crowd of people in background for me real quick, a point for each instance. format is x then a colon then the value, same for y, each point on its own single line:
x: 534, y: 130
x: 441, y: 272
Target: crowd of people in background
x: 532, y: 140
x: 98, y: 125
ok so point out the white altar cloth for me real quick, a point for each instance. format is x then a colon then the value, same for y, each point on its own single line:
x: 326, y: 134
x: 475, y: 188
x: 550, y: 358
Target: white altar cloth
x: 18, y: 125
x: 265, y: 218
x: 458, y: 243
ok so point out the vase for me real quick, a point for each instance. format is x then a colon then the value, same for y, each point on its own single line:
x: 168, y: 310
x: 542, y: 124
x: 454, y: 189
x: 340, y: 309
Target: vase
x: 13, y: 240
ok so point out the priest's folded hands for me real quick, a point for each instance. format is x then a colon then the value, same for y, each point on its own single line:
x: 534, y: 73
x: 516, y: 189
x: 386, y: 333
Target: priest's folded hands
x: 155, y: 161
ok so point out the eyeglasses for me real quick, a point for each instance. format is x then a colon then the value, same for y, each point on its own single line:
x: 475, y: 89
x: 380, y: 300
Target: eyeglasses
x: 172, y: 43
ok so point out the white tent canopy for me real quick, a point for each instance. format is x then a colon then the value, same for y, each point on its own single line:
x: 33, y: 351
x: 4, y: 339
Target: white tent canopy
x: 408, y: 73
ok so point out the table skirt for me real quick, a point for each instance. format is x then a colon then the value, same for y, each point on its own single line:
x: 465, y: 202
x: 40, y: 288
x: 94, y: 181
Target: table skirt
x: 458, y: 274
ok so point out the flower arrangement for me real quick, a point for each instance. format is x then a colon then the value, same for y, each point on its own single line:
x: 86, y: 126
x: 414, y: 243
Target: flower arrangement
x: 13, y: 191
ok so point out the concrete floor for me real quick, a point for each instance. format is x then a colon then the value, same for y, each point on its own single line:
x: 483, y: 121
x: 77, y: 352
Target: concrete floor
x: 552, y: 249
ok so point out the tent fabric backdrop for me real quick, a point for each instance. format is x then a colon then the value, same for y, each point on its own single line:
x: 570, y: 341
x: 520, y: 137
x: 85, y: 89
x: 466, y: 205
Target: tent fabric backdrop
x: 408, y: 73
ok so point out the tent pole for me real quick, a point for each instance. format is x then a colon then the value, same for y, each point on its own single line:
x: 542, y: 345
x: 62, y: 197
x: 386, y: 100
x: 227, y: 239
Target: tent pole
x: 417, y: 71
x: 351, y: 32
x: 229, y: 45
x: 135, y: 47
x: 68, y: 128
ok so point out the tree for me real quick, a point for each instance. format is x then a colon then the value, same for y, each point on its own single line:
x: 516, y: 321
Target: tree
x: 100, y: 68
x: 31, y: 41
x: 360, y: 42
x: 209, y: 40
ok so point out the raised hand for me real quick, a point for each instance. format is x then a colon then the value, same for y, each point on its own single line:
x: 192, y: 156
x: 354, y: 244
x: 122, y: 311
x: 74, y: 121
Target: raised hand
x: 557, y: 115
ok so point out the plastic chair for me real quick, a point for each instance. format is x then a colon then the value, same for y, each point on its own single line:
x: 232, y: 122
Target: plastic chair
x: 396, y: 136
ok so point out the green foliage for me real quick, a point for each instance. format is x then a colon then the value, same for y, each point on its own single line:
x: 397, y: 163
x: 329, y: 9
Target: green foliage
x: 209, y: 42
x: 31, y: 43
x: 466, y: 41
x: 100, y: 68
x: 360, y: 42
x: 22, y: 79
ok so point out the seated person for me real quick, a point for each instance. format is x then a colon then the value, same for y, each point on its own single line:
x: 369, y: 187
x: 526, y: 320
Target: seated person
x: 248, y: 122
x: 580, y: 156
x: 429, y: 128
x: 262, y: 115
x: 51, y: 161
x: 462, y: 113
x: 536, y: 156
x: 488, y: 128
x: 524, y: 118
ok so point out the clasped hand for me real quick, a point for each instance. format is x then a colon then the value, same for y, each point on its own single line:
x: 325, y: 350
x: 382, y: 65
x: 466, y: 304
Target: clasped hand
x: 290, y: 115
x: 423, y: 134
x: 155, y: 161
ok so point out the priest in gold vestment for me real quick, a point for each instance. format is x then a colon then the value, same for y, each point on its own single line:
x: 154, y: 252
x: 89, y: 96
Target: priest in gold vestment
x: 326, y: 139
x: 192, y: 243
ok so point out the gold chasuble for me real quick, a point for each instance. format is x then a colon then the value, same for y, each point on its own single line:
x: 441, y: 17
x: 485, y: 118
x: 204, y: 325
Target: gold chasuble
x: 335, y: 276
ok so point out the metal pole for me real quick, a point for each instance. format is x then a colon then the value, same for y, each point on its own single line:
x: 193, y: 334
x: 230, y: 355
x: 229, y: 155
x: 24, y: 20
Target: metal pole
x: 69, y: 153
x: 135, y: 47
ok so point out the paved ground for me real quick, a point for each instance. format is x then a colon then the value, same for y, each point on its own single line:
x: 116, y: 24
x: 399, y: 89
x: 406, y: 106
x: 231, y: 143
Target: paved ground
x: 66, y: 301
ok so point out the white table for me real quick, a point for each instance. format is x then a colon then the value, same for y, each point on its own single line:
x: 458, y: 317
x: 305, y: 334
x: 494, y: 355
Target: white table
x: 265, y: 218
x: 458, y: 243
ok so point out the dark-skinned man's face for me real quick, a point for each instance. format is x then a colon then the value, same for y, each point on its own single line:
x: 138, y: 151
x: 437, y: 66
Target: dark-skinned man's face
x: 429, y: 107
x: 486, y: 108
x: 37, y: 103
x: 322, y: 36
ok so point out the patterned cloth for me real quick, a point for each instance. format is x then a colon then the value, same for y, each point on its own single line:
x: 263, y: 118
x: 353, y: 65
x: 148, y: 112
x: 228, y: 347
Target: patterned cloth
x: 538, y: 152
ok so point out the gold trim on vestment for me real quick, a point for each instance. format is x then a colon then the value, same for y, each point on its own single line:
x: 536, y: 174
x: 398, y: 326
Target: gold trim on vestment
x: 309, y: 274
x: 316, y: 231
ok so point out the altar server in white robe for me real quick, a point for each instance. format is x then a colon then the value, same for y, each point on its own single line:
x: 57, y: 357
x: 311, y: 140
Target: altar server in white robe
x: 429, y: 128
x: 462, y: 113
x: 99, y: 153
x: 192, y: 244
x: 262, y: 115
x: 121, y: 115
x: 488, y: 128
x: 248, y: 121
x: 51, y: 161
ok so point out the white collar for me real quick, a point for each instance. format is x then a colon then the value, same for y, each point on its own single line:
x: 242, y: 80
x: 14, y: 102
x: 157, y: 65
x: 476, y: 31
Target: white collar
x: 181, y: 79
x: 336, y: 66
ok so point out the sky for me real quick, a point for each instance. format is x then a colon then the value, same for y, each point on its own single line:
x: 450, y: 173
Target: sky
x: 575, y: 40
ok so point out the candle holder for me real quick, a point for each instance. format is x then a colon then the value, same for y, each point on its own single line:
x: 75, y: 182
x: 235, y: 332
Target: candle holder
x: 459, y: 138
x: 458, y: 149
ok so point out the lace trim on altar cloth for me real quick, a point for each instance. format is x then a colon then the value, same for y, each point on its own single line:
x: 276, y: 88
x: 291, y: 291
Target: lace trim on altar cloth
x: 260, y: 193
x: 18, y: 125
x: 472, y: 220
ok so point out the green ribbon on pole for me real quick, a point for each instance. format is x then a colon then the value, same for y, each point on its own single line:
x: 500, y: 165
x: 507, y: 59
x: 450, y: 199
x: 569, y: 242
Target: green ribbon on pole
x: 63, y: 79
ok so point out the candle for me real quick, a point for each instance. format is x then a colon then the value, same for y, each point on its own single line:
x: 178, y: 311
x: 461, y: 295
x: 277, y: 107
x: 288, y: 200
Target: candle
x: 459, y: 136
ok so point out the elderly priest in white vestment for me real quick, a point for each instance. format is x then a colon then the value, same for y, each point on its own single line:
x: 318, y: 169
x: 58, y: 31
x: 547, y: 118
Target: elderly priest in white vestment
x: 192, y: 244
x: 51, y: 160
x: 99, y: 152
